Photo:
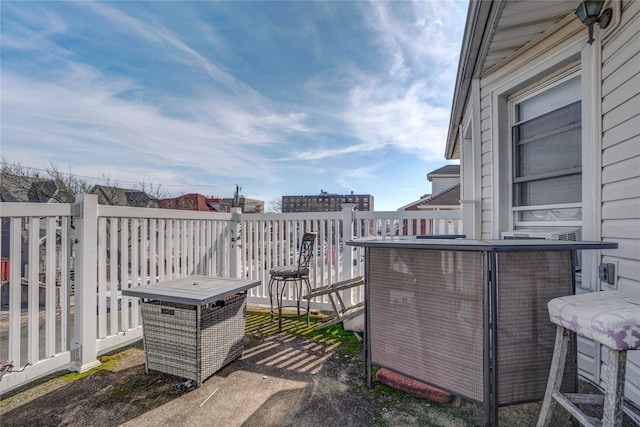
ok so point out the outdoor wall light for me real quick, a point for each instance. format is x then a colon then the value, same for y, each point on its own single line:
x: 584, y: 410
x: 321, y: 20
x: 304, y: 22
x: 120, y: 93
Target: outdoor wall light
x: 589, y: 13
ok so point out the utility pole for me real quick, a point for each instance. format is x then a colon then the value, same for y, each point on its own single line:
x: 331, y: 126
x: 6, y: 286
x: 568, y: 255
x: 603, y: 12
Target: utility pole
x: 236, y: 197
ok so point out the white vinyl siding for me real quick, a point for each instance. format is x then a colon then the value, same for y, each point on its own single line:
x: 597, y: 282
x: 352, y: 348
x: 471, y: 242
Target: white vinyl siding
x: 621, y: 163
x: 617, y: 207
x: 439, y: 184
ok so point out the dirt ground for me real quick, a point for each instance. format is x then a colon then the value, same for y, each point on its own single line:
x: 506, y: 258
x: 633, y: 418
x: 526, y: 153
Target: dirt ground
x: 335, y: 394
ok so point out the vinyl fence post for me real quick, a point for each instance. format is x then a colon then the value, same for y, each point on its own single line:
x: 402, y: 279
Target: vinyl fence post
x: 348, y: 219
x: 348, y: 233
x: 234, y: 244
x: 85, y: 211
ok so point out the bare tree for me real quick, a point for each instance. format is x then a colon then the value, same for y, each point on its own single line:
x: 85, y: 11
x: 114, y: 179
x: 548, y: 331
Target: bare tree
x: 154, y: 190
x: 27, y: 184
x: 72, y: 184
x: 274, y: 206
x: 20, y: 183
x: 108, y: 193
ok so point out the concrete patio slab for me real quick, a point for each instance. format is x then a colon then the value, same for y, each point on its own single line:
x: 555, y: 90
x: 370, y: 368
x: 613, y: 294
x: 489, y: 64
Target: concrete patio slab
x: 229, y: 400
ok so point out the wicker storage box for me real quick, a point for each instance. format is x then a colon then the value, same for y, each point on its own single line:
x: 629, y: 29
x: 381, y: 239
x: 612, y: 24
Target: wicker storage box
x: 191, y: 341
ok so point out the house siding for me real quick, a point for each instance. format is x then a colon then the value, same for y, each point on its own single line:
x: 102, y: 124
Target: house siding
x: 566, y: 34
x: 619, y: 217
x: 621, y: 162
x: 440, y: 184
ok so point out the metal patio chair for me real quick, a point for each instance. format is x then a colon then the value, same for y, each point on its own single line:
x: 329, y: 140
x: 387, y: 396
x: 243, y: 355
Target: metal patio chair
x: 284, y: 276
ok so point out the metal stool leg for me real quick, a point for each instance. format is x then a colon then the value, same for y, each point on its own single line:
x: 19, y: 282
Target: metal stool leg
x: 306, y: 280
x: 282, y: 284
x: 298, y: 294
x: 271, y: 282
x: 278, y: 288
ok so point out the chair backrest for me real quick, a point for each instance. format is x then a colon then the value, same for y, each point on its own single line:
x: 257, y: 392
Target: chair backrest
x: 306, y: 249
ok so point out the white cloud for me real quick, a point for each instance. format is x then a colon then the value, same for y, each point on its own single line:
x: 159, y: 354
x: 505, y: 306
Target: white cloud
x: 352, y: 178
x: 409, y: 109
x: 398, y: 70
x: 35, y: 34
x: 404, y: 120
x: 159, y: 34
x: 204, y: 116
x: 84, y: 112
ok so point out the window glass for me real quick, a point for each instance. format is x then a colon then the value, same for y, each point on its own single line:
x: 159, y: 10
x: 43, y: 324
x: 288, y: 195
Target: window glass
x: 568, y: 214
x: 551, y: 191
x: 558, y: 96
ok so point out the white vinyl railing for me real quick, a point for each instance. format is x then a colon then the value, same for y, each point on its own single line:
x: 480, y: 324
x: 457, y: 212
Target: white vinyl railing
x: 138, y: 246
x: 34, y: 293
x: 68, y: 263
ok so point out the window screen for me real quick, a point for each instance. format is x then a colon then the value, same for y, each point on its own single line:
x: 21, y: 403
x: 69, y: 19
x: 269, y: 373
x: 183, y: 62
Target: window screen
x: 547, y: 148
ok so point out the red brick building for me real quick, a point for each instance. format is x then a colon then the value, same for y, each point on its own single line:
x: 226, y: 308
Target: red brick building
x: 195, y: 202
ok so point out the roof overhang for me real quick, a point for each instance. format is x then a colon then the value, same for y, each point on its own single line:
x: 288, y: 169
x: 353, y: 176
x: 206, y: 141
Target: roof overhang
x: 495, y: 31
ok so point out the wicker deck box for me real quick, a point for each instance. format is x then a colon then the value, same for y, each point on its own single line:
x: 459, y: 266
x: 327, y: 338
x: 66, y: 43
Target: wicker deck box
x: 194, y: 325
x: 181, y: 340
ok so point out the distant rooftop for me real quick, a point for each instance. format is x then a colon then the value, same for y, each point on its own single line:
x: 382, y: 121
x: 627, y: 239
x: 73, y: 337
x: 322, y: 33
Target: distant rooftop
x: 448, y: 197
x: 445, y: 170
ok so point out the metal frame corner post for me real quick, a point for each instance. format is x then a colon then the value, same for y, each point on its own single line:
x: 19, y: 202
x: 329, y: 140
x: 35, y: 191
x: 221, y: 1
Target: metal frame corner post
x: 367, y: 319
x: 490, y: 356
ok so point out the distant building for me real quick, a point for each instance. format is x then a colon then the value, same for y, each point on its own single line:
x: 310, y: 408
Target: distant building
x: 6, y: 195
x: 20, y: 188
x: 247, y: 205
x: 445, y: 186
x: 114, y: 196
x: 195, y: 202
x: 50, y: 191
x: 326, y: 202
x: 17, y: 188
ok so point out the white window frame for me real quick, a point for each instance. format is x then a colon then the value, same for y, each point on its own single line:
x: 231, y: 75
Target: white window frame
x: 514, y: 211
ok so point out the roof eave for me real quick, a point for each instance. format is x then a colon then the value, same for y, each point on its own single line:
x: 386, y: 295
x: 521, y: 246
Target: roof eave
x: 433, y: 207
x: 479, y: 15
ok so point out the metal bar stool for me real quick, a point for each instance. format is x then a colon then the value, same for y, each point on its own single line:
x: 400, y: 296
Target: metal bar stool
x: 610, y: 318
x: 282, y: 277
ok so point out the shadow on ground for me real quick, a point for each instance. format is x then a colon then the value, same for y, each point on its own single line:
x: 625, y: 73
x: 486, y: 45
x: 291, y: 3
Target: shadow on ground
x: 295, y: 377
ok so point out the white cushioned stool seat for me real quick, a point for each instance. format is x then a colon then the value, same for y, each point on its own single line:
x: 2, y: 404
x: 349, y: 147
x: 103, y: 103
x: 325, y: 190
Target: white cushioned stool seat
x: 612, y: 318
x: 289, y: 271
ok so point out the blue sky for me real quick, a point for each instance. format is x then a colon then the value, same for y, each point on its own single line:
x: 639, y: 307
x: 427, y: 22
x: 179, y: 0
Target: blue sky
x: 281, y: 98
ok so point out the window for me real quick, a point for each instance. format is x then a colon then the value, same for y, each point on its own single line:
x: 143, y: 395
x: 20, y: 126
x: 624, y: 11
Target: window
x: 546, y: 135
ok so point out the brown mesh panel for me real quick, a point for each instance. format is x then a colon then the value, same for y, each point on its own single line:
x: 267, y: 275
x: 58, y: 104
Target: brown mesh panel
x: 525, y: 334
x: 426, y: 316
